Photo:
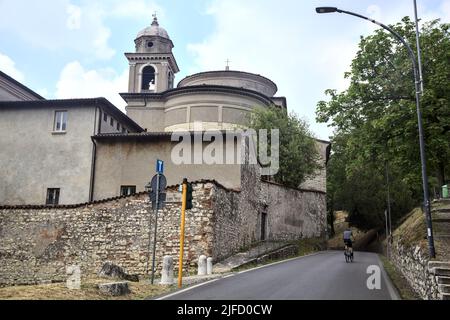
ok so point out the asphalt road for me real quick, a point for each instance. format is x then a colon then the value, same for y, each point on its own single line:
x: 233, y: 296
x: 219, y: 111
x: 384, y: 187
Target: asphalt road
x: 323, y: 276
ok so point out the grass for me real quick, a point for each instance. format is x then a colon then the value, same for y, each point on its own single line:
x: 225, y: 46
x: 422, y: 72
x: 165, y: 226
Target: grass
x: 398, y: 280
x: 413, y: 230
x: 89, y: 291
x: 340, y: 225
x: 337, y: 243
x: 308, y: 246
x: 139, y: 290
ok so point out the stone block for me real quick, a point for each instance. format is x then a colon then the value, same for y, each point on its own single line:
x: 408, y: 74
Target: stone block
x: 74, y: 277
x: 209, y: 266
x: 113, y: 271
x: 114, y: 288
x: 202, y: 265
x: 167, y: 271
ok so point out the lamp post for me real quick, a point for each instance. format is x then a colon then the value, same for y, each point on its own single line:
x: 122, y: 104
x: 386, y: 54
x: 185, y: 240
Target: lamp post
x: 426, y: 197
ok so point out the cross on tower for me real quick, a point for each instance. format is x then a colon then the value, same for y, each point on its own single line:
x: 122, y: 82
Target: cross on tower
x: 155, y: 19
x: 228, y: 64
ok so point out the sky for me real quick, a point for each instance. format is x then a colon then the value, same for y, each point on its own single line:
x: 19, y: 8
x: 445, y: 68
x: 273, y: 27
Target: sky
x: 74, y: 48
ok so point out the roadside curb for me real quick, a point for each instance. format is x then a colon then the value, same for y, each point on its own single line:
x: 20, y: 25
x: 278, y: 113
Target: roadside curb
x: 393, y: 292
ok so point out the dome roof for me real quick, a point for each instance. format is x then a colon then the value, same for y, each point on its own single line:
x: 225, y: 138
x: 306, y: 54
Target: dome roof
x: 154, y: 30
x: 232, y: 78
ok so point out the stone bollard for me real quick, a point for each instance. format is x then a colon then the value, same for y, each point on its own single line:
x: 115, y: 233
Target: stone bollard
x: 167, y: 271
x: 74, y: 277
x: 209, y: 266
x: 202, y: 265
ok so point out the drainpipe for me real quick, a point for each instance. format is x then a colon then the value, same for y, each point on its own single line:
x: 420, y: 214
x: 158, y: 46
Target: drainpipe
x: 94, y: 160
x: 94, y: 155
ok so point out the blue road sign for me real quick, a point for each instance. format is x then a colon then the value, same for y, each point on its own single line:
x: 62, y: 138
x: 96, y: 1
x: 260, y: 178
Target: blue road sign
x: 160, y: 166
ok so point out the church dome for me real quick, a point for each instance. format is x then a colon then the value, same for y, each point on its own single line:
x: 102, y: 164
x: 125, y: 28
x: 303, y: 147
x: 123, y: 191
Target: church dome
x: 154, y: 30
x: 230, y: 78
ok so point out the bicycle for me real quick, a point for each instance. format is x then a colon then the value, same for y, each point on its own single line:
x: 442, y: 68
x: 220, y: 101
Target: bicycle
x: 348, y: 253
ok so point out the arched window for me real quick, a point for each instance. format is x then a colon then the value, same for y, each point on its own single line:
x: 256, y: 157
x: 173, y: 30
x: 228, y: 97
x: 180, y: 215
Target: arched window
x: 148, y: 78
x: 170, y: 84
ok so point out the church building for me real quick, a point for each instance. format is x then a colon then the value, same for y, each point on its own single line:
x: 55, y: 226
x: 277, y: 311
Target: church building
x: 73, y: 173
x: 81, y: 150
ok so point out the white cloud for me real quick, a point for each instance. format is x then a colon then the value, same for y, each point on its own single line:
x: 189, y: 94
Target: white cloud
x: 56, y: 25
x: 77, y: 82
x: 304, y: 53
x: 445, y: 7
x: 43, y: 92
x: 74, y: 18
x: 136, y: 9
x: 426, y: 11
x: 281, y: 44
x: 8, y: 66
x: 374, y: 12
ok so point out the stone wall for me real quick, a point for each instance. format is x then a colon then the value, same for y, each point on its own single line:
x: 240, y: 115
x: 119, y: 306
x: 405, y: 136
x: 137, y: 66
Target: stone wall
x: 36, y: 244
x: 236, y: 215
x: 319, y: 180
x: 412, y: 261
x: 291, y: 214
x: 294, y: 213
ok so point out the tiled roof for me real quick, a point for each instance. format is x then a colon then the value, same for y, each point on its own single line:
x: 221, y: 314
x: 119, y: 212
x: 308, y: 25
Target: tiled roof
x: 150, y: 135
x: 78, y: 205
x: 100, y: 102
x: 23, y: 87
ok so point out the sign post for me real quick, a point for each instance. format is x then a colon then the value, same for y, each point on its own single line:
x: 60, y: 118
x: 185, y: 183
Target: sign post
x: 159, y: 166
x: 158, y: 199
x: 387, y: 233
x: 183, y: 210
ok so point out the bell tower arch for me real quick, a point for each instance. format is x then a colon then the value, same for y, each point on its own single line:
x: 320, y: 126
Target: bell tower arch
x: 152, y: 65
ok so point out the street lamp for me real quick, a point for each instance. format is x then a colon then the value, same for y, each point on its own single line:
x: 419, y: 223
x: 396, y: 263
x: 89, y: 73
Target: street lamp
x: 426, y: 196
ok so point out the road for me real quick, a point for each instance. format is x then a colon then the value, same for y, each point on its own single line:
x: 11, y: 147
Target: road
x: 322, y: 276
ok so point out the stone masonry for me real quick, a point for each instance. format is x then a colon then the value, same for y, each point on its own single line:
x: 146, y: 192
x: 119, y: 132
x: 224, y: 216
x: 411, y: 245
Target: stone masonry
x: 37, y: 243
x: 291, y: 214
x: 413, y: 263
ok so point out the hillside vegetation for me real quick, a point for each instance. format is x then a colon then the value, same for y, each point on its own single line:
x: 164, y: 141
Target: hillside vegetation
x: 413, y: 231
x: 375, y: 145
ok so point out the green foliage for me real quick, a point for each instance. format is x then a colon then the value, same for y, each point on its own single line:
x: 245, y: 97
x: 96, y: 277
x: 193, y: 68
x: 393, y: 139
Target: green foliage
x: 297, y: 151
x: 375, y: 122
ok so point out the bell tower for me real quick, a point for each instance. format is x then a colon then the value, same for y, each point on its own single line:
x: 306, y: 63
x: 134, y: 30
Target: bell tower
x: 153, y: 65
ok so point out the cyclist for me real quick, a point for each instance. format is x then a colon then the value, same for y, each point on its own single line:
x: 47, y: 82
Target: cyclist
x: 348, y: 240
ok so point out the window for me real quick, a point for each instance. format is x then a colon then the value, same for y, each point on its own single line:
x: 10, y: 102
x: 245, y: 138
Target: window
x: 127, y: 190
x: 124, y: 130
x: 60, y: 124
x: 263, y: 225
x: 105, y: 117
x: 111, y: 122
x: 118, y: 126
x: 170, y: 80
x: 148, y: 78
x: 52, y: 196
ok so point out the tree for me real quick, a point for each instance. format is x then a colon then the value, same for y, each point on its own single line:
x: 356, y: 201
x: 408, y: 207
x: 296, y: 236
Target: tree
x: 375, y: 119
x: 297, y: 151
x: 361, y: 188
